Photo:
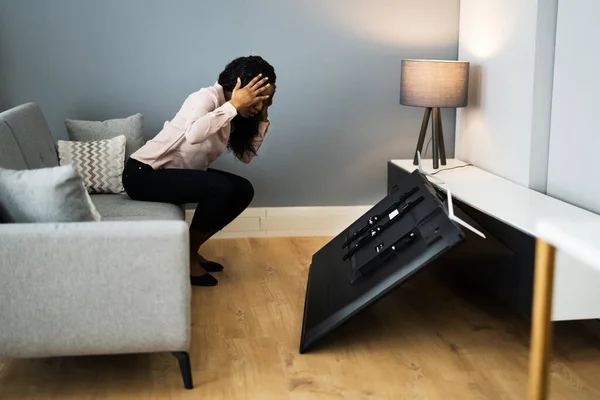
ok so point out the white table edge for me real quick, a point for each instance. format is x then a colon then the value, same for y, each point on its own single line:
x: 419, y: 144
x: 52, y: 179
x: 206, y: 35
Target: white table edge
x: 533, y: 231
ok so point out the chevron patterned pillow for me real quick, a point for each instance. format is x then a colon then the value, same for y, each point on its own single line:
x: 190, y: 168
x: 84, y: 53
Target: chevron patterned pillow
x: 100, y: 163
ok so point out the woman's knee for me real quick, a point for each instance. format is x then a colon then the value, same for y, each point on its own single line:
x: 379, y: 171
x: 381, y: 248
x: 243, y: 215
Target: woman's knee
x: 235, y: 190
x: 244, y: 191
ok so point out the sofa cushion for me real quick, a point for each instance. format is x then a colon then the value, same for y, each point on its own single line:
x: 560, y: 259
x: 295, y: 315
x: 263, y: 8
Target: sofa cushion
x: 120, y: 207
x: 89, y: 131
x: 10, y: 155
x: 52, y: 194
x: 31, y: 132
x: 100, y: 163
x: 10, y: 152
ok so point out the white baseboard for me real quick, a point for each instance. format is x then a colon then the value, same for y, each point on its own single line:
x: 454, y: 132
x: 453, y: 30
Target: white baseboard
x: 290, y: 221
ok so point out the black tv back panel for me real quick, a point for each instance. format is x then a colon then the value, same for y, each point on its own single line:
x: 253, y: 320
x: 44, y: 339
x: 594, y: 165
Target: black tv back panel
x: 398, y: 237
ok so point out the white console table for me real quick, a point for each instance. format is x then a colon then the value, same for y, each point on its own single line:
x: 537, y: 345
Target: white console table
x: 576, y: 285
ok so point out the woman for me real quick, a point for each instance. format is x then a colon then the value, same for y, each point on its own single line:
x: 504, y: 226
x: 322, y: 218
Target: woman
x: 174, y: 166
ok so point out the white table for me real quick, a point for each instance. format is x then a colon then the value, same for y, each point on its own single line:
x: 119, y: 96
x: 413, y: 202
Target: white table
x: 576, y: 292
x: 567, y: 263
x: 579, y: 238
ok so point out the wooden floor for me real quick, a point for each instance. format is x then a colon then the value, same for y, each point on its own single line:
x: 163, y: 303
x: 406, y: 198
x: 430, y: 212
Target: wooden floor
x: 423, y: 341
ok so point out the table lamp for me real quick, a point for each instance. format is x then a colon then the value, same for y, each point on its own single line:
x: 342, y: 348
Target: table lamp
x: 434, y: 84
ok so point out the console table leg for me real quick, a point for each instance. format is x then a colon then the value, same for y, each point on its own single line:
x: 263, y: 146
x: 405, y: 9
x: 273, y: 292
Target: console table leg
x: 541, y: 326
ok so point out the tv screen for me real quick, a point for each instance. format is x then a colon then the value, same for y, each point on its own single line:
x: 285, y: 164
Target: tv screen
x: 398, y: 237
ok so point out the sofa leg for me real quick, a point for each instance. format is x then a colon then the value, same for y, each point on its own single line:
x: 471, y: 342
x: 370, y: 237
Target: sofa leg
x: 186, y: 368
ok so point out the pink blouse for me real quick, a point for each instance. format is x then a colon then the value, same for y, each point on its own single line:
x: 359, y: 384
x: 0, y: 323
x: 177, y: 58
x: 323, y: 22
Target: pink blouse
x: 197, y: 135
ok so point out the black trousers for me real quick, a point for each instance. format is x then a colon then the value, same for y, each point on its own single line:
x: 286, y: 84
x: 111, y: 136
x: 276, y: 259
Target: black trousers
x: 221, y: 196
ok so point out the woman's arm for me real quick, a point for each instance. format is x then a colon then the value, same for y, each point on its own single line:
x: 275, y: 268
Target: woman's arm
x: 263, y: 127
x: 206, y: 120
x: 210, y: 120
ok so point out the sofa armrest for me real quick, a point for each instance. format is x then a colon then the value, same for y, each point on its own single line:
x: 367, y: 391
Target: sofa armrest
x: 94, y: 288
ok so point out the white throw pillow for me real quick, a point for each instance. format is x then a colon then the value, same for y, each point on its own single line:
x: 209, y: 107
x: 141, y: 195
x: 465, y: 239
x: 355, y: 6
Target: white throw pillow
x: 100, y: 163
x: 54, y: 194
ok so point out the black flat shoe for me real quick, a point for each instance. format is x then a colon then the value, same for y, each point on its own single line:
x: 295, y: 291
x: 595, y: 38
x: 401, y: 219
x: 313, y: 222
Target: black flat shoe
x: 211, y: 266
x: 204, y: 280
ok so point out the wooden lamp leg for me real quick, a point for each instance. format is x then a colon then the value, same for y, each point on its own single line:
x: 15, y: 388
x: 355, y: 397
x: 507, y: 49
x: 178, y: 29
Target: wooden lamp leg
x: 435, y: 138
x: 440, y: 132
x: 541, y: 326
x: 421, y: 141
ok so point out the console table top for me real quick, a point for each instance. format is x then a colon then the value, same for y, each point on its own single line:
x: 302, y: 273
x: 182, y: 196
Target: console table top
x: 579, y: 238
x: 516, y: 205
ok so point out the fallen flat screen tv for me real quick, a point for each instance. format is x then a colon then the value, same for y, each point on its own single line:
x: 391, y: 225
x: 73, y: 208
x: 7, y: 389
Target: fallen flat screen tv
x: 402, y: 234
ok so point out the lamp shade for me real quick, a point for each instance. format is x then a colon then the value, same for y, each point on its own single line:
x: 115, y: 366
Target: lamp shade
x: 434, y: 83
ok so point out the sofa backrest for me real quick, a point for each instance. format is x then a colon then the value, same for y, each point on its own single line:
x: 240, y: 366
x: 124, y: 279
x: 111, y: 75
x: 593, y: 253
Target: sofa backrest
x: 10, y: 153
x: 31, y: 139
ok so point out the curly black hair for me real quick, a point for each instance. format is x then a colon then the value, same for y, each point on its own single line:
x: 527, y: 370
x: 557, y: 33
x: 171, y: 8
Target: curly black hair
x: 245, y: 130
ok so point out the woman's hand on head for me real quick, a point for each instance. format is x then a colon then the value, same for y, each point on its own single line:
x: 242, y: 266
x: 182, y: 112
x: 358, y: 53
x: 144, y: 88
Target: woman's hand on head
x: 263, y: 115
x: 250, y: 94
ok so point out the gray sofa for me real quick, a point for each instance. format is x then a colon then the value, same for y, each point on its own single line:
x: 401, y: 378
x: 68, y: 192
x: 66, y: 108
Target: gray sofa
x: 111, y: 287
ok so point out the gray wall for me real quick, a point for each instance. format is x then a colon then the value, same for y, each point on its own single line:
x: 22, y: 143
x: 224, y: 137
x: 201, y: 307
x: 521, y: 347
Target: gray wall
x: 336, y: 118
